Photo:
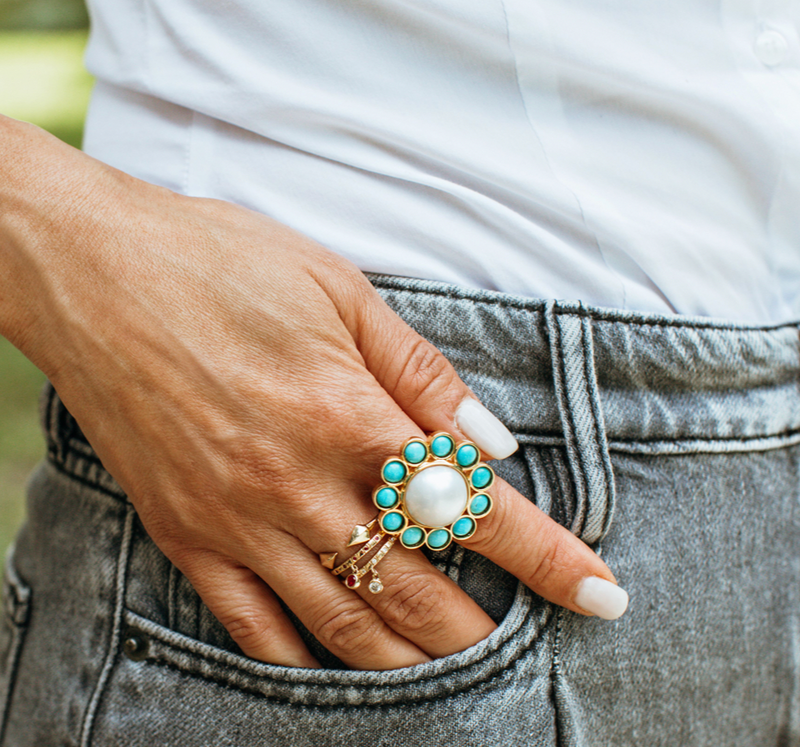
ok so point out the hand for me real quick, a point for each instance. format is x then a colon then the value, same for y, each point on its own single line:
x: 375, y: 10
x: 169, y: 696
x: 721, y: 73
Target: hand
x: 244, y: 385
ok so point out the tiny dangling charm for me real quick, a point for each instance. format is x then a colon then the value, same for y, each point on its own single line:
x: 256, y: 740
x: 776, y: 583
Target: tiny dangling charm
x: 351, y: 571
x: 353, y: 581
x: 375, y: 585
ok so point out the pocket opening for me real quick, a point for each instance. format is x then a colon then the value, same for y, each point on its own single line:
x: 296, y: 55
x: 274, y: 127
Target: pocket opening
x: 517, y: 635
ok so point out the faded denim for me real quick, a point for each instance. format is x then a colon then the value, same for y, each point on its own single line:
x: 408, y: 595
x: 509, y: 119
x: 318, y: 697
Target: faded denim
x: 672, y: 445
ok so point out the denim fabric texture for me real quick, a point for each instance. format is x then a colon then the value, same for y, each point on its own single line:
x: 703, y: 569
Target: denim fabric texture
x: 671, y: 445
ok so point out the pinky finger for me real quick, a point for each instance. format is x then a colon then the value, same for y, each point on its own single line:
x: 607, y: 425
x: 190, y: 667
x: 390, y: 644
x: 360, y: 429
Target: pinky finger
x: 249, y: 610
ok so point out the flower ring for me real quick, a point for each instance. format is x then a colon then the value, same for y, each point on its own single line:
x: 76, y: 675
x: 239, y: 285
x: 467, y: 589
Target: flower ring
x: 434, y: 492
x: 431, y: 494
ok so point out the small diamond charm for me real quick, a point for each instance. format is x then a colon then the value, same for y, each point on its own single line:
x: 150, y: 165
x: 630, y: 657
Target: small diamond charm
x: 375, y: 586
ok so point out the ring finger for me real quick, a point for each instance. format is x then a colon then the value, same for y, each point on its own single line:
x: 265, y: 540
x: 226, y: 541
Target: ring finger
x: 420, y: 614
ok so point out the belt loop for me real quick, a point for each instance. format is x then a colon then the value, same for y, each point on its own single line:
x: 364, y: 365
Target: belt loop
x: 569, y: 328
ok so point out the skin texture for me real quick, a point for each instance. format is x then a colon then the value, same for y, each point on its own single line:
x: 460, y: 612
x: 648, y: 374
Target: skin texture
x: 229, y: 372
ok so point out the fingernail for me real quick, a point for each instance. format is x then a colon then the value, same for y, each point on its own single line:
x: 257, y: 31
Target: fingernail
x: 488, y: 433
x: 601, y: 598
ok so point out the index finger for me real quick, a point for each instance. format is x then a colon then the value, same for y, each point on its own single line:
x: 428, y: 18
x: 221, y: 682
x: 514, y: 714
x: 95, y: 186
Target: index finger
x: 545, y: 556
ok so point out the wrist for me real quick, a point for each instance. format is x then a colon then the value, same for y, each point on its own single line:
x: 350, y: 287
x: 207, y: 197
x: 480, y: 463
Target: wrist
x: 43, y: 204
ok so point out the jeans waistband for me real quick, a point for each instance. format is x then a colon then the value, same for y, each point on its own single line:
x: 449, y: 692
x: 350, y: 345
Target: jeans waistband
x: 553, y: 370
x: 670, y: 383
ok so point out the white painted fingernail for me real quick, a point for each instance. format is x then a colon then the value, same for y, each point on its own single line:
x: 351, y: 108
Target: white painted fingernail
x: 480, y: 426
x: 601, y: 598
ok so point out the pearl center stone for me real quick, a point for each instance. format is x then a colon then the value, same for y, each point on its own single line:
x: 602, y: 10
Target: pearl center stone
x: 436, y: 496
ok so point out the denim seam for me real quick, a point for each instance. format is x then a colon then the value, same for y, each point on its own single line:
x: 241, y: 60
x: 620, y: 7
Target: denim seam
x: 723, y: 439
x: 695, y: 447
x: 87, y: 456
x: 597, y: 315
x: 88, y: 472
x: 555, y: 673
x: 559, y: 440
x: 12, y: 663
x: 18, y: 620
x: 116, y: 626
x: 600, y: 438
x: 554, y: 484
x: 594, y: 399
x: 84, y: 480
x: 570, y: 409
x: 430, y: 678
x: 66, y: 425
x: 579, y: 474
x: 59, y: 429
x: 221, y: 682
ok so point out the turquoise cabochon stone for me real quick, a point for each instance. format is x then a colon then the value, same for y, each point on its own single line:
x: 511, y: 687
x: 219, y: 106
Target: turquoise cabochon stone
x: 466, y: 455
x: 387, y: 497
x: 480, y: 505
x: 391, y: 522
x: 463, y: 527
x: 394, y: 472
x: 412, y: 537
x: 442, y: 446
x: 438, y: 538
x: 415, y: 452
x: 481, y: 477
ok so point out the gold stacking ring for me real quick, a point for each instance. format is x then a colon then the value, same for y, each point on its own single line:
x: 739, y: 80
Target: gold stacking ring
x: 433, y: 493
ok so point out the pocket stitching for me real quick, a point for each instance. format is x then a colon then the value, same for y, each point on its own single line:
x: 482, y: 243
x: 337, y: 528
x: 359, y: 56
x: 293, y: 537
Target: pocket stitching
x: 206, y: 656
x: 405, y: 700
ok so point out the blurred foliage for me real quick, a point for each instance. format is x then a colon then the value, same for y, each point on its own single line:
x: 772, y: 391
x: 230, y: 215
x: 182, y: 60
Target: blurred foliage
x: 17, y: 15
x: 21, y: 444
x: 42, y: 80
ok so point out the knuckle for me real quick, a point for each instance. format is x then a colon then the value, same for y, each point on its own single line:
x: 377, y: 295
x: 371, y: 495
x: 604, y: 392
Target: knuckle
x: 249, y: 629
x: 423, y: 372
x: 548, y: 564
x: 416, y: 605
x: 348, y: 626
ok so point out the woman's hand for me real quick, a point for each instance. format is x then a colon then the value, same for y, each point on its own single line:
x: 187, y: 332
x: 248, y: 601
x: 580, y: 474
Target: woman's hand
x: 244, y: 385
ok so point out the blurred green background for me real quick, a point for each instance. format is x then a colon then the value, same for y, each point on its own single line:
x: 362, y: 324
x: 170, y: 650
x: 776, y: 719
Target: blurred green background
x: 42, y: 80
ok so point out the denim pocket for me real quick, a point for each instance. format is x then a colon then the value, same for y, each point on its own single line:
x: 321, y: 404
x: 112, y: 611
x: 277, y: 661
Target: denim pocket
x: 169, y: 688
x: 173, y: 677
x: 13, y: 624
x: 177, y: 669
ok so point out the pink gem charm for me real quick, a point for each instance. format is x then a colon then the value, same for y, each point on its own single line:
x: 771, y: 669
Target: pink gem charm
x: 353, y: 581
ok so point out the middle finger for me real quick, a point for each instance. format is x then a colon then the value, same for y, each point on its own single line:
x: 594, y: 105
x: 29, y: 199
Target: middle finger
x: 420, y: 614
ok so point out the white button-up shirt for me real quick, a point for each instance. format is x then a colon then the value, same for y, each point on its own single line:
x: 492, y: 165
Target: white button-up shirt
x: 637, y: 155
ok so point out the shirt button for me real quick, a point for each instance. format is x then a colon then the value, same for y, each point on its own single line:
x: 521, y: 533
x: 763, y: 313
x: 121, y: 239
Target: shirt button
x: 771, y: 48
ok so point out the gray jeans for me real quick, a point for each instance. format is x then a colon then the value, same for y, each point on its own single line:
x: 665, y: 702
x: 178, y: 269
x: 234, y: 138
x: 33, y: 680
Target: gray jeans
x: 671, y: 445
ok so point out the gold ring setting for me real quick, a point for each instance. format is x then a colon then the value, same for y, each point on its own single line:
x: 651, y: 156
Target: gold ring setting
x: 361, y: 536
x: 433, y: 493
